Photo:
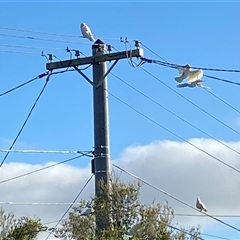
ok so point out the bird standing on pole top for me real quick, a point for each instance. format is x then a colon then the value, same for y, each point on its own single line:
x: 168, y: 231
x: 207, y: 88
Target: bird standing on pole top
x: 86, y: 32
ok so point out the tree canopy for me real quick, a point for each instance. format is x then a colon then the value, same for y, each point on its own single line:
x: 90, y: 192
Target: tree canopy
x: 24, y: 228
x: 128, y: 218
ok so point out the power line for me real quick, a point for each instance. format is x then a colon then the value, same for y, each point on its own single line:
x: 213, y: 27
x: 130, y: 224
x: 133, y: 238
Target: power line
x: 56, y: 34
x: 216, y: 78
x: 39, y: 203
x: 31, y: 80
x: 25, y: 83
x: 25, y: 122
x: 174, y: 114
x: 75, y: 199
x: 197, y: 215
x: 154, y: 53
x: 222, y: 101
x: 42, y: 39
x: 176, y: 135
x: 178, y: 229
x: 167, y: 64
x: 194, y: 104
x: 44, y: 168
x: 173, y: 197
x: 174, y: 65
x: 44, y: 151
x: 183, y: 231
x: 221, y: 79
x: 29, y: 47
x: 18, y: 52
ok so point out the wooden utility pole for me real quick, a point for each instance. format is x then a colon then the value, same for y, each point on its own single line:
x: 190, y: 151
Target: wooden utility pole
x: 101, y: 161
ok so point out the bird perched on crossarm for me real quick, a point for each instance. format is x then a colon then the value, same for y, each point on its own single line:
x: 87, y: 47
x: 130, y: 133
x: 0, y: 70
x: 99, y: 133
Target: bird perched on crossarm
x: 86, y: 32
x: 200, y: 205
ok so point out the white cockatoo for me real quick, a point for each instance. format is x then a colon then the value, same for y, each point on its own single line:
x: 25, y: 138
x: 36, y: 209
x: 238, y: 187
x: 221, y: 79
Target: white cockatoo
x: 200, y: 205
x: 86, y: 32
x: 193, y: 77
x: 190, y: 75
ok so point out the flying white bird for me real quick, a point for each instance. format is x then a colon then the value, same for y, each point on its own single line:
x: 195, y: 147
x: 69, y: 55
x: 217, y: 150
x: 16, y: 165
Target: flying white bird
x: 190, y: 75
x: 86, y: 32
x: 200, y: 205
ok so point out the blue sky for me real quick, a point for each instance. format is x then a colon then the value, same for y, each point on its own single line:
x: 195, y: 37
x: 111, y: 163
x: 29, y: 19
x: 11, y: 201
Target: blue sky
x: 197, y: 33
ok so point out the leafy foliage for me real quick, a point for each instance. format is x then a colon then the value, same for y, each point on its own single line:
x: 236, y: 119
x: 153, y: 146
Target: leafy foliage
x: 127, y: 219
x: 24, y: 228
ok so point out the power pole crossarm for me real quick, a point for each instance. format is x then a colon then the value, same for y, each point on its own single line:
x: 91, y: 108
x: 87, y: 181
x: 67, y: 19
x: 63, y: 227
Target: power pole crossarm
x: 99, y: 58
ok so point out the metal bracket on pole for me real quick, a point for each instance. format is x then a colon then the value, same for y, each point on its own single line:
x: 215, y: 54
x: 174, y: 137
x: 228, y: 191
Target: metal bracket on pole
x: 81, y: 73
x: 108, y: 71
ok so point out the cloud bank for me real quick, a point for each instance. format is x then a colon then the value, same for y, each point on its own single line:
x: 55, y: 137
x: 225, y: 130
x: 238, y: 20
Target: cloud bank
x: 175, y: 167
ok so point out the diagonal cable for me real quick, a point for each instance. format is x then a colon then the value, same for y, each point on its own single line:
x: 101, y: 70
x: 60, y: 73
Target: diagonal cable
x: 25, y: 83
x: 26, y: 120
x: 173, y: 197
x: 174, y: 114
x: 173, y: 133
x: 222, y: 100
x: 44, y: 168
x: 194, y: 104
x: 75, y: 199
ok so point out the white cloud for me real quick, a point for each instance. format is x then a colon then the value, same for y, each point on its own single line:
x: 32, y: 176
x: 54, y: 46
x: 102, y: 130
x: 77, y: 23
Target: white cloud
x: 174, y: 167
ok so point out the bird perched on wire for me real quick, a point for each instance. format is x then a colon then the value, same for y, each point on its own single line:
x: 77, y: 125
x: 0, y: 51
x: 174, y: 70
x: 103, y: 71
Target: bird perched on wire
x: 86, y: 32
x: 200, y: 205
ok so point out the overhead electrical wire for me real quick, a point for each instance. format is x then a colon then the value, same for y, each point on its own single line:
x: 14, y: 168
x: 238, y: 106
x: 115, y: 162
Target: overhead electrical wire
x: 19, y: 52
x: 31, y: 80
x: 174, y: 114
x: 203, y: 234
x: 212, y: 77
x: 75, y: 199
x: 42, y: 39
x: 221, y: 79
x: 223, y: 101
x: 173, y: 133
x: 154, y: 52
x: 29, y: 47
x: 173, y: 197
x: 198, y: 215
x: 56, y: 34
x: 205, y: 75
x: 174, y: 65
x: 194, y: 104
x: 47, y: 167
x: 25, y: 83
x: 39, y: 203
x: 26, y: 120
x: 44, y: 151
x: 165, y: 62
x: 183, y: 231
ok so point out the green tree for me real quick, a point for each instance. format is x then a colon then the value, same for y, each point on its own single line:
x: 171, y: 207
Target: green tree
x: 24, y: 228
x: 128, y: 218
